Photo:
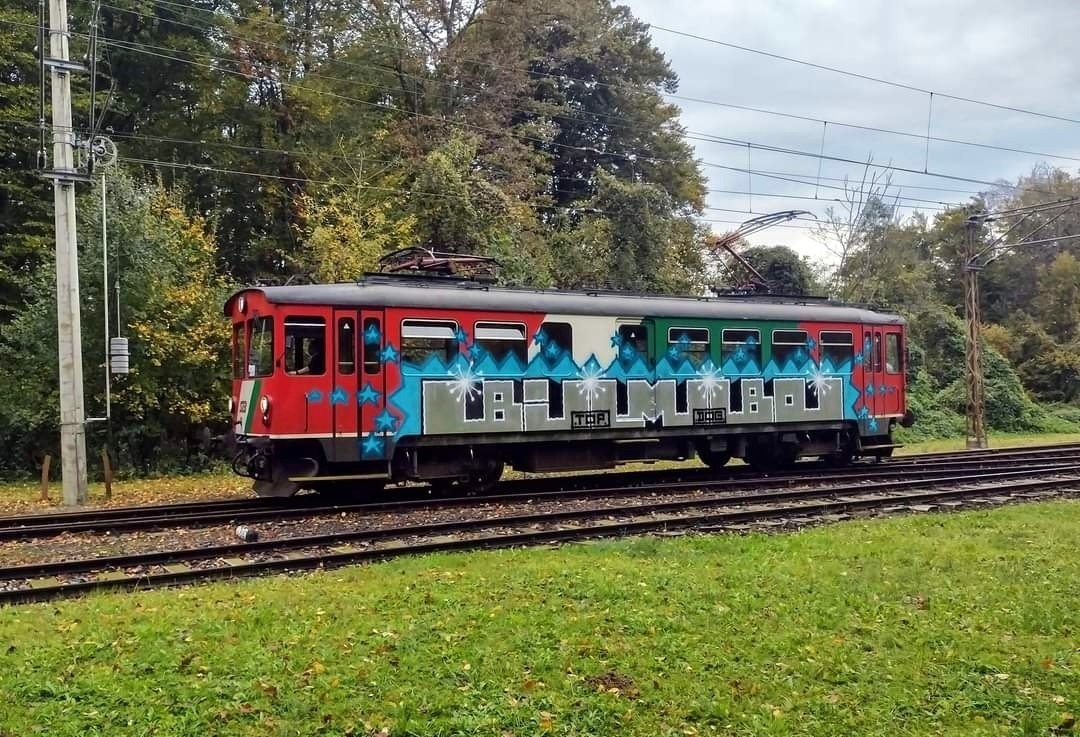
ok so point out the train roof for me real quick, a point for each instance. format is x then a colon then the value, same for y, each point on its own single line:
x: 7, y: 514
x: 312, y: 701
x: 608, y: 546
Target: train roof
x: 458, y: 295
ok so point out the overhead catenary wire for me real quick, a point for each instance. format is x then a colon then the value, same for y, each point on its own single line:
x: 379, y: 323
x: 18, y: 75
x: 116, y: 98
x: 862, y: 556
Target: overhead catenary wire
x: 666, y: 29
x: 749, y: 145
x: 138, y: 47
x: 858, y: 75
x: 583, y: 208
x: 928, y: 205
x: 691, y: 134
x: 461, y: 124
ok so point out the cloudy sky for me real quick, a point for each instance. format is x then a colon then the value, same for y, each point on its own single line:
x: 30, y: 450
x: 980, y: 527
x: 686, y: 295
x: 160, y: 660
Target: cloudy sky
x: 1001, y: 51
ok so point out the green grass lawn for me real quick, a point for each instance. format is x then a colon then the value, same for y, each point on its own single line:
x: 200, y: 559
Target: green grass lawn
x: 940, y: 624
x: 996, y: 440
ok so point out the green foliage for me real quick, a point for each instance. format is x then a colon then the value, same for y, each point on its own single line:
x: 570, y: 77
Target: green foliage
x: 458, y: 210
x: 949, y: 624
x: 938, y: 386
x: 1057, y: 303
x: 633, y: 239
x: 347, y: 230
x: 784, y: 270
x: 171, y: 298
x: 25, y: 217
x: 932, y: 418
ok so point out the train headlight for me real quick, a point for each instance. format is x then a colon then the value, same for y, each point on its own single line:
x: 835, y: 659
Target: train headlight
x: 264, y: 407
x: 241, y: 305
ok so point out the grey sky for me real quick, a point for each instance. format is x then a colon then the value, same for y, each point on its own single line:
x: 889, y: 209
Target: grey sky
x: 1021, y: 55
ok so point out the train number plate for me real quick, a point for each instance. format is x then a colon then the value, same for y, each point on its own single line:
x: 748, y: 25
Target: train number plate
x: 716, y: 416
x: 590, y: 420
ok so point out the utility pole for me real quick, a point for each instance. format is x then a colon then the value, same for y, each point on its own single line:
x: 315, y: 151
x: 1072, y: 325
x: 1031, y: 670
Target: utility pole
x: 976, y: 389
x: 977, y: 258
x: 69, y: 327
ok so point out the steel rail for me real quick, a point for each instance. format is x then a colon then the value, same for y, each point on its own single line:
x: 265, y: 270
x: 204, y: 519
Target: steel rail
x: 196, y: 519
x: 712, y: 520
x: 186, y: 511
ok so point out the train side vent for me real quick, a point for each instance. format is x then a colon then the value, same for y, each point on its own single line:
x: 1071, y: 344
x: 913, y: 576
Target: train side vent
x: 119, y: 356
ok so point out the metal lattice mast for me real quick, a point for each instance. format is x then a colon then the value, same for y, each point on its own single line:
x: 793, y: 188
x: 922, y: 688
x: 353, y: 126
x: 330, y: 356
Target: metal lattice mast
x: 975, y: 260
x: 976, y: 389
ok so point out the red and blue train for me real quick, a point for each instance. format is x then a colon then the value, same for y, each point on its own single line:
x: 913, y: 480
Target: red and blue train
x: 352, y: 386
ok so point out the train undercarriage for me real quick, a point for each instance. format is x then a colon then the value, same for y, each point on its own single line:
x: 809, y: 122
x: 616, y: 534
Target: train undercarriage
x: 284, y: 467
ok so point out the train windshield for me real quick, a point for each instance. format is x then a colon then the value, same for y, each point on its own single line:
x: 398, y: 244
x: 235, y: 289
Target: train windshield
x: 261, y: 347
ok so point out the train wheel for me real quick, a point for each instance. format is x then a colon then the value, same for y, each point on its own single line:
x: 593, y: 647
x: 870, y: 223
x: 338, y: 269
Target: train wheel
x: 281, y: 483
x: 486, y: 479
x: 714, y: 459
x: 764, y: 458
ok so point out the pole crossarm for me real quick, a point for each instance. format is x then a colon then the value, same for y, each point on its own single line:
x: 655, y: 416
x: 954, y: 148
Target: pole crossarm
x: 982, y: 258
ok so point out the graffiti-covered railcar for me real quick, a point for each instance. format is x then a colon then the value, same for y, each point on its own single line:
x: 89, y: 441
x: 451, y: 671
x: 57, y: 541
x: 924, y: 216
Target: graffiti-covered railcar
x: 390, y: 379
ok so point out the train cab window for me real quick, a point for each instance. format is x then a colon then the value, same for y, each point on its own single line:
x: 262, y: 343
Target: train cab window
x: 500, y: 339
x: 305, y: 345
x: 892, y: 353
x: 838, y: 348
x: 692, y: 343
x: 372, y: 345
x: 261, y: 347
x: 238, y: 350
x: 421, y: 339
x: 346, y: 346
x: 788, y: 345
x: 740, y: 346
x: 556, y: 338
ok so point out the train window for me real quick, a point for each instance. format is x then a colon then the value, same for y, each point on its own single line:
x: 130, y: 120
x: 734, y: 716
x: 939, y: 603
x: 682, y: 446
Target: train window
x: 421, y: 339
x: 261, y: 347
x: 877, y: 351
x: 556, y: 338
x: 499, y: 339
x: 838, y: 348
x: 692, y: 343
x: 892, y: 353
x: 741, y: 346
x: 636, y: 336
x: 238, y: 350
x: 372, y: 344
x: 788, y: 345
x: 346, y: 346
x: 305, y: 345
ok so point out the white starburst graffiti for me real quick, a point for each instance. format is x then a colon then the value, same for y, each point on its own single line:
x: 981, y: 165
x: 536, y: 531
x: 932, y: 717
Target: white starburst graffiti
x: 590, y: 386
x: 818, y: 382
x: 466, y: 383
x: 710, y: 378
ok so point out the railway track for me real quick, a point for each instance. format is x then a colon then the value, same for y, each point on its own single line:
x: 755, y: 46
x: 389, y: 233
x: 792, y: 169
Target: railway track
x: 130, y: 519
x: 218, y: 510
x: 716, y: 511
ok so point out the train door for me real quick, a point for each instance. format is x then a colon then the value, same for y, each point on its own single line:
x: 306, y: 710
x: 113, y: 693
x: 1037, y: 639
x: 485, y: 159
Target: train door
x: 370, y: 377
x: 306, y: 360
x: 893, y: 365
x: 875, y: 376
x: 344, y: 406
